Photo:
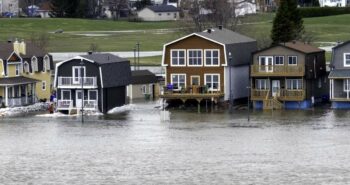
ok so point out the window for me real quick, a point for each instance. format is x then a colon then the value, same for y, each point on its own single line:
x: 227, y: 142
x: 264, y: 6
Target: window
x: 144, y: 89
x: 212, y: 81
x: 265, y: 63
x: 175, y: 15
x: 346, y: 83
x: 347, y: 59
x: 46, y: 64
x: 292, y: 60
x: 212, y: 58
x: 279, y: 60
x: 160, y: 14
x: 195, y: 80
x: 194, y: 57
x: 294, y: 84
x: 178, y: 58
x: 26, y: 67
x: 262, y: 84
x: 65, y: 95
x: 43, y: 85
x: 78, y: 73
x: 178, y: 80
x: 34, y: 64
x: 92, y: 95
x: 168, y: 13
x: 18, y: 66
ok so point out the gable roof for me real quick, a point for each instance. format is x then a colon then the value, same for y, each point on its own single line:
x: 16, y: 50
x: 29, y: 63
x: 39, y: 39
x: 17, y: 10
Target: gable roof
x: 339, y: 73
x: 296, y: 46
x: 104, y: 58
x: 225, y: 36
x: 163, y: 8
x: 341, y: 44
x: 143, y: 77
x: 6, y: 49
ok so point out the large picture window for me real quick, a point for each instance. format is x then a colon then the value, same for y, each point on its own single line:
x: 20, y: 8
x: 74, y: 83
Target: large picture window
x: 178, y: 81
x: 294, y: 84
x: 262, y: 84
x: 212, y: 57
x: 178, y: 58
x: 347, y: 59
x: 212, y: 81
x: 195, y: 57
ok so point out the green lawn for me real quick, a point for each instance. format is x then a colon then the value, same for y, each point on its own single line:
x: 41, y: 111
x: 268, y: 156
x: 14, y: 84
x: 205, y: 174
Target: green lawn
x: 148, y: 61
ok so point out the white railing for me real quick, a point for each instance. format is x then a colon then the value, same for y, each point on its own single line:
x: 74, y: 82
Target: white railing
x: 64, y: 104
x: 90, y: 104
x: 88, y: 82
x: 22, y: 101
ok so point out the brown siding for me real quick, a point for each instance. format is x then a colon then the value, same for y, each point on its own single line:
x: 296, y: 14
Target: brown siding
x: 195, y: 42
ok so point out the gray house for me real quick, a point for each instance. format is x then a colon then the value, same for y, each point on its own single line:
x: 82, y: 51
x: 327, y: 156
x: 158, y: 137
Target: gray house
x: 340, y: 76
x: 159, y: 13
x: 143, y: 85
x: 95, y: 82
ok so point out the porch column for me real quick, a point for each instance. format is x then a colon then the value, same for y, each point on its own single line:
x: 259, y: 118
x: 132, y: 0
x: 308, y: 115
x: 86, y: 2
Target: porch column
x: 33, y: 93
x: 26, y: 92
x: 330, y: 88
x: 6, y: 96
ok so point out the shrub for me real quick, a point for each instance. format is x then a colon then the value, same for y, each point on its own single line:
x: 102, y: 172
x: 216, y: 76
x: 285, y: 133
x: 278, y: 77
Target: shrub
x: 323, y: 11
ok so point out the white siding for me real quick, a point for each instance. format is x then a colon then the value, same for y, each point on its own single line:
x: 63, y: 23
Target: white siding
x: 148, y: 15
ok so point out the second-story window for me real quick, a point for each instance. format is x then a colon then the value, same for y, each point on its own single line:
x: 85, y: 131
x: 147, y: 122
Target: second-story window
x: 195, y: 57
x: 34, y: 64
x: 178, y: 58
x: 212, y: 57
x: 279, y: 60
x: 347, y: 59
x: 18, y: 67
x: 46, y: 63
x: 26, y: 67
x: 292, y: 60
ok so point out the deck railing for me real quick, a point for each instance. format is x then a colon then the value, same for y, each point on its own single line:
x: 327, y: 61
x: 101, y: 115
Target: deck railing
x: 87, y: 82
x: 64, y: 104
x: 68, y: 104
x: 193, y: 92
x: 283, y: 95
x: 277, y: 70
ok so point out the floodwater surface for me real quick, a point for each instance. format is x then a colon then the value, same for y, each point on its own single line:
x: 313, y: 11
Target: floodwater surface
x: 136, y: 147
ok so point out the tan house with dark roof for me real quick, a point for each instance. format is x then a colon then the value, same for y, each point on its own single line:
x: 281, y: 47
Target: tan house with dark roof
x: 290, y: 75
x: 25, y: 74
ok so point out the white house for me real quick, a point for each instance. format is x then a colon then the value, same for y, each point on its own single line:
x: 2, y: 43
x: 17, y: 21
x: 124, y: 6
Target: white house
x: 334, y: 3
x: 159, y: 13
x: 245, y: 7
x: 9, y: 7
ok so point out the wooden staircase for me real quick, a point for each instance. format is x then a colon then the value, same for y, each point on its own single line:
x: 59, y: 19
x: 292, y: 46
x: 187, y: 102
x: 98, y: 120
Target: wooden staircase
x: 272, y: 103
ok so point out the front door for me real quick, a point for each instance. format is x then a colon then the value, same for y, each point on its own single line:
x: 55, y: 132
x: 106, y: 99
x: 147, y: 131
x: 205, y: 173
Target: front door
x: 276, y: 86
x: 195, y: 80
x: 79, y: 98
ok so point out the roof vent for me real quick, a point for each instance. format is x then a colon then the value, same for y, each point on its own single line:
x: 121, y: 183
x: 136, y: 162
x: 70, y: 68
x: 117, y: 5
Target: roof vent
x: 209, y: 30
x: 90, y: 52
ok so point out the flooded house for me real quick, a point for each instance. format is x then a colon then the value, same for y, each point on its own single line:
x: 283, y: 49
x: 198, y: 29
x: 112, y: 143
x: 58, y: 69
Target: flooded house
x: 93, y: 82
x: 210, y: 65
x: 144, y: 85
x: 25, y: 74
x: 340, y: 76
x: 289, y: 75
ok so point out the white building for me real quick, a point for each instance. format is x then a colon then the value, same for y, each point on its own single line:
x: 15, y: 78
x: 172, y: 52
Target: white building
x: 159, y: 13
x: 334, y: 3
x: 9, y: 7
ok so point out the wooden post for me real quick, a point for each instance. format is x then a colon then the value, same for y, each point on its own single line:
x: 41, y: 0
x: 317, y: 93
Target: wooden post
x: 6, y: 96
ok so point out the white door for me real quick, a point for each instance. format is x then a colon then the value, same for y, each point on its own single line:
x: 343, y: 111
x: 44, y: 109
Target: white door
x: 78, y: 72
x: 276, y: 86
x: 266, y: 64
x: 79, y: 98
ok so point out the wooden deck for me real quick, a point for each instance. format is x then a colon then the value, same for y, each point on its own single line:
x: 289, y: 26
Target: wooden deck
x: 283, y: 95
x: 276, y: 70
x: 194, y: 96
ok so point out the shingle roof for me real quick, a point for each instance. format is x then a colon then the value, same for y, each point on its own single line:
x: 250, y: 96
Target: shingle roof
x: 105, y: 58
x: 143, y: 77
x: 225, y: 36
x: 163, y: 8
x: 340, y: 73
x: 16, y: 81
x: 341, y: 44
x: 31, y: 50
x: 302, y: 47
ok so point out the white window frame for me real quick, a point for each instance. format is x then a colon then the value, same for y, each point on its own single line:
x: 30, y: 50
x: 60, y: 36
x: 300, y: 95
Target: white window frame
x: 211, y: 58
x: 346, y: 85
x: 34, y: 62
x: 196, y: 76
x: 43, y: 85
x: 276, y: 60
x: 296, y: 60
x: 346, y: 65
x: 299, y: 87
x: 178, y: 60
x: 17, y: 69
x: 177, y: 74
x: 258, y: 84
x: 70, y: 94
x: 144, y: 89
x: 73, y: 74
x: 212, y: 74
x: 266, y: 68
x: 26, y: 67
x: 46, y: 63
x: 188, y: 58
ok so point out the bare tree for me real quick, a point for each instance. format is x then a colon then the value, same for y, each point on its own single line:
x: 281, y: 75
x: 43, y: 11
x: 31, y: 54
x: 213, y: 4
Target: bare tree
x: 116, y: 6
x: 40, y: 40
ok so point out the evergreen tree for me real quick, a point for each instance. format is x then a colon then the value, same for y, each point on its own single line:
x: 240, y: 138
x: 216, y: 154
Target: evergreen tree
x: 288, y: 23
x: 66, y: 8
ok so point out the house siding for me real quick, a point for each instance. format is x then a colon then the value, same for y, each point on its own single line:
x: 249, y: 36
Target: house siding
x: 113, y: 97
x: 148, y: 15
x: 338, y: 57
x: 280, y: 51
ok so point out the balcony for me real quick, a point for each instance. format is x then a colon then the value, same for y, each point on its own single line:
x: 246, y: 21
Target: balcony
x: 68, y: 105
x: 282, y: 95
x: 277, y: 70
x: 77, y: 82
x: 193, y: 92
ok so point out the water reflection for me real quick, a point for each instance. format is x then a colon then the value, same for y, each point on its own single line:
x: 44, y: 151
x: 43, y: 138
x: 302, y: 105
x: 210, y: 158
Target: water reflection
x: 135, y: 147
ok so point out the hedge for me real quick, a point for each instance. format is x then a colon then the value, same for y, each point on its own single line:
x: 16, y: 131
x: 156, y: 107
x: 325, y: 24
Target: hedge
x: 323, y: 11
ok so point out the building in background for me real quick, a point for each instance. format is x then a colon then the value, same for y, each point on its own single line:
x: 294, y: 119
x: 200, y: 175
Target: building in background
x: 144, y: 85
x: 9, y: 8
x: 159, y: 13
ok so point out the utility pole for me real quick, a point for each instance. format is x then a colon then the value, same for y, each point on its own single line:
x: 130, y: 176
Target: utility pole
x: 138, y: 55
x: 134, y: 58
x: 82, y: 91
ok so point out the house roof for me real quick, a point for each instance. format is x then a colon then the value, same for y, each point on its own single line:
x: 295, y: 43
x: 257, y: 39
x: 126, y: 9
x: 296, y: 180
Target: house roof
x: 341, y: 44
x: 45, y: 6
x: 225, y: 36
x: 104, y: 58
x: 16, y: 81
x: 339, y: 73
x: 6, y: 49
x: 163, y: 8
x: 143, y: 77
x: 296, y: 46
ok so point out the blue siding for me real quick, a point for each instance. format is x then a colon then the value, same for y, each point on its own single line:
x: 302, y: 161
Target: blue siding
x: 287, y: 105
x: 340, y: 105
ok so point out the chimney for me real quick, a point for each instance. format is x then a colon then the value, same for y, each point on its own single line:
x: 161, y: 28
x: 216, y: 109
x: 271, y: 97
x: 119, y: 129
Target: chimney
x: 16, y: 47
x: 220, y: 27
x: 209, y: 30
x: 23, y: 48
x: 90, y: 52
